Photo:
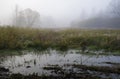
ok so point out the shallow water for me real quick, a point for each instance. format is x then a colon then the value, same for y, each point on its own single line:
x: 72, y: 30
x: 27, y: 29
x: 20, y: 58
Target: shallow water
x: 29, y: 62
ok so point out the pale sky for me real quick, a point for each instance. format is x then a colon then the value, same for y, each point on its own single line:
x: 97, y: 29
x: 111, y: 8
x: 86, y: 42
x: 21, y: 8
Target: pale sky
x: 58, y: 9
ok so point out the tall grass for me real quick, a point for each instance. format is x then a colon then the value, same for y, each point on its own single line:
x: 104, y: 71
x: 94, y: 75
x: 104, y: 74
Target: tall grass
x: 20, y: 38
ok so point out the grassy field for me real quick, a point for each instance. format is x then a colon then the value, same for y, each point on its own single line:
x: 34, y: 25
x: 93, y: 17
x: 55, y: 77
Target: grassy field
x: 21, y: 38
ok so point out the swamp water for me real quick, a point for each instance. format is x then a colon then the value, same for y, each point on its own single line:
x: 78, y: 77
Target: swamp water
x: 38, y: 62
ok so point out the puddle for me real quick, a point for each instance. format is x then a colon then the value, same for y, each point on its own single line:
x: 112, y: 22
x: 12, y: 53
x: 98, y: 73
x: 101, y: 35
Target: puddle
x: 30, y: 62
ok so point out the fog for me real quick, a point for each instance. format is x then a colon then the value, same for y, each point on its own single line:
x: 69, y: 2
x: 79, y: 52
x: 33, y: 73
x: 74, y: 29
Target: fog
x: 54, y: 13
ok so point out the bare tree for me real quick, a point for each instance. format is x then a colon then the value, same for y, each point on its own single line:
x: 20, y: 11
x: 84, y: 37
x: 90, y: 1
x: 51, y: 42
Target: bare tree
x: 15, y: 16
x: 27, y: 18
x: 115, y: 7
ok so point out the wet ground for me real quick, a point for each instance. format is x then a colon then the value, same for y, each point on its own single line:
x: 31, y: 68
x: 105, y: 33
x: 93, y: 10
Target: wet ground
x: 53, y: 64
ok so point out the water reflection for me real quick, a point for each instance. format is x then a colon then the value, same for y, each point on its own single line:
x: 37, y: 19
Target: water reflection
x: 29, y: 62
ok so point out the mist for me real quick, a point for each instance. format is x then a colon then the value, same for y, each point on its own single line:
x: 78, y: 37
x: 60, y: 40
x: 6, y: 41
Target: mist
x: 59, y: 39
x: 55, y: 13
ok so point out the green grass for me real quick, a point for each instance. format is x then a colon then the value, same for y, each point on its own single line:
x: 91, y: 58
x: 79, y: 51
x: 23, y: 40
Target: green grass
x: 22, y: 38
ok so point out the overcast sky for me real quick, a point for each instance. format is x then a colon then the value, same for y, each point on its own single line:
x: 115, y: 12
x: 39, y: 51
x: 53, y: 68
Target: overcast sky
x: 58, y: 9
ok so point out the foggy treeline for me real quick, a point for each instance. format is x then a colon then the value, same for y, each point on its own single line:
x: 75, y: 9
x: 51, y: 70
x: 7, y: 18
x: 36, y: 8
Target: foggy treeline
x: 109, y: 18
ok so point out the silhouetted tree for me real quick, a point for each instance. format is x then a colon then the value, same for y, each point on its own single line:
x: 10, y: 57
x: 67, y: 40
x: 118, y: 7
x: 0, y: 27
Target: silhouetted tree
x: 115, y: 7
x: 15, y: 17
x: 27, y: 18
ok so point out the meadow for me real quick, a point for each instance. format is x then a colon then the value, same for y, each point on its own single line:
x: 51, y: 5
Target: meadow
x: 84, y: 39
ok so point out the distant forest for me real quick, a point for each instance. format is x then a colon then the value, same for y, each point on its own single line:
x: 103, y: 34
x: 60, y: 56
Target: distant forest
x: 110, y: 18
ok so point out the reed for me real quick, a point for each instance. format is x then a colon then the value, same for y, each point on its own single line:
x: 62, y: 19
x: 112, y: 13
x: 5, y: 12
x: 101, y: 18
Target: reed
x: 21, y: 38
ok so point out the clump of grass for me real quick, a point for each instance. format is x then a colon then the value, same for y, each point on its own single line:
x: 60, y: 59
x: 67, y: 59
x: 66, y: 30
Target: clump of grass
x: 98, y: 68
x: 21, y: 38
x: 52, y: 68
